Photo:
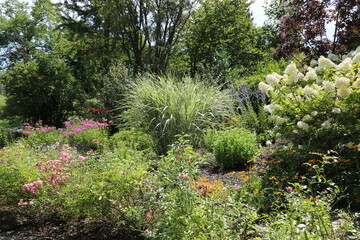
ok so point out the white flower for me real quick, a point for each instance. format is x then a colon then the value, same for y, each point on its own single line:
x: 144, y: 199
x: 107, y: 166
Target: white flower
x: 307, y: 117
x: 326, y: 124
x: 291, y: 72
x: 333, y: 57
x: 265, y: 87
x: 313, y: 63
x: 314, y: 113
x: 310, y: 91
x: 357, y: 51
x: 356, y: 58
x: 271, y: 108
x: 336, y: 110
x: 302, y: 125
x: 310, y: 75
x: 296, y: 97
x: 273, y: 78
x: 342, y: 82
x: 345, y: 65
x: 278, y: 120
x: 328, y: 86
x: 301, y: 226
x: 300, y: 76
x: 357, y: 82
x: 268, y: 143
x: 344, y: 92
x: 325, y: 63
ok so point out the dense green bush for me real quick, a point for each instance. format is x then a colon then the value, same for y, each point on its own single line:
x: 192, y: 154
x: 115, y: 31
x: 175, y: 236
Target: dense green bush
x: 164, y: 107
x: 133, y: 139
x: 233, y: 147
x: 41, y: 89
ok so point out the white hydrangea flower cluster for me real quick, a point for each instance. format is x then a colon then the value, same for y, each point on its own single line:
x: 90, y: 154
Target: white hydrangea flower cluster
x: 316, y: 97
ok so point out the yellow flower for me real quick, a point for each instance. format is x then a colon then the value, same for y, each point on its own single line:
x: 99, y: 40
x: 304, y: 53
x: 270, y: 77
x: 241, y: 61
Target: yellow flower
x: 246, y: 178
x: 272, y: 177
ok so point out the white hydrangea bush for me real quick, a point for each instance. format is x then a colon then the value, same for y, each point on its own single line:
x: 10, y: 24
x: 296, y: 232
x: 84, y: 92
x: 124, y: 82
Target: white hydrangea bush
x: 320, y: 105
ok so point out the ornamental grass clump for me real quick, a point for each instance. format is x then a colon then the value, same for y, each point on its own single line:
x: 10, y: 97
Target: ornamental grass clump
x: 319, y: 108
x: 164, y: 107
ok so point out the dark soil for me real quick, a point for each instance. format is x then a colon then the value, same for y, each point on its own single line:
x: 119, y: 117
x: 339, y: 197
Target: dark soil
x: 16, y: 224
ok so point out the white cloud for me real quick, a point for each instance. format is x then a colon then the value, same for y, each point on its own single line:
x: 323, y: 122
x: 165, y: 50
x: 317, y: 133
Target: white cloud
x: 257, y: 8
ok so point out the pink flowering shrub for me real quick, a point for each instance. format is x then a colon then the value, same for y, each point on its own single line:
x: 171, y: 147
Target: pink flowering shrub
x: 85, y: 134
x: 31, y: 187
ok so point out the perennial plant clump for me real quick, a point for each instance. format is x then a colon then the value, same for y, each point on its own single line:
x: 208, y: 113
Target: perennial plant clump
x: 164, y: 107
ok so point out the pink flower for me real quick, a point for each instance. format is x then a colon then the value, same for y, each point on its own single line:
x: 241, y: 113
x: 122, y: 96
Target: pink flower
x: 38, y: 183
x: 26, y: 132
x: 81, y: 158
x: 147, y: 231
x: 237, y: 186
x: 31, y: 203
x: 148, y: 216
x: 289, y: 189
x: 21, y: 202
x: 64, y: 156
x: 182, y: 175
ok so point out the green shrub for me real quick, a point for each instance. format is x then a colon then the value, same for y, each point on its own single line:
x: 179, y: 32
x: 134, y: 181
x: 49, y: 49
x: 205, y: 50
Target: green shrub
x: 41, y: 89
x: 164, y: 107
x: 233, y: 147
x: 133, y: 139
x: 4, y: 137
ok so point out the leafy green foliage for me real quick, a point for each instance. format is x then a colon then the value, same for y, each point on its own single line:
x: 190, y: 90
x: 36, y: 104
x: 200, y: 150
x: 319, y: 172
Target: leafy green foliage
x: 133, y: 139
x: 38, y: 81
x: 223, y: 26
x: 233, y: 147
x: 164, y: 107
x: 26, y: 84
